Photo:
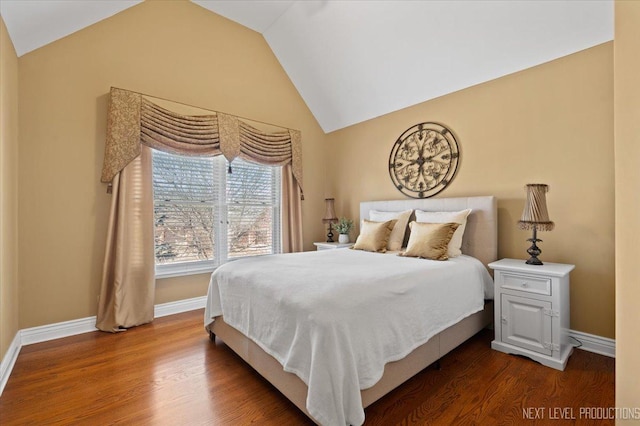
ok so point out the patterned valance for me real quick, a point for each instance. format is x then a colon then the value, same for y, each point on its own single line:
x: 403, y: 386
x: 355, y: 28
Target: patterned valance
x: 134, y: 119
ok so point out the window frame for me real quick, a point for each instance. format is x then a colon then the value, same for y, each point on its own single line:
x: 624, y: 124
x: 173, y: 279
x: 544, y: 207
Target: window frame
x: 220, y: 207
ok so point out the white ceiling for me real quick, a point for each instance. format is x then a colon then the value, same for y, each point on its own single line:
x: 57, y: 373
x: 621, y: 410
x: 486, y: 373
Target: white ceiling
x: 355, y: 60
x: 258, y: 15
x: 34, y: 23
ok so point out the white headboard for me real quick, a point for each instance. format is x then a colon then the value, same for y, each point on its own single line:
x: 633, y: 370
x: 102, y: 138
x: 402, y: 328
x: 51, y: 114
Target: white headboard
x: 481, y: 234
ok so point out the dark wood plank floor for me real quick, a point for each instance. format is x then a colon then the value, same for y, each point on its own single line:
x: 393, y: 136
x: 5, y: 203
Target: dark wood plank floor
x: 169, y: 373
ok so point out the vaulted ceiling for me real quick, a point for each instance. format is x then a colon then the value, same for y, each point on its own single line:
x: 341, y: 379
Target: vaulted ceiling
x: 355, y: 60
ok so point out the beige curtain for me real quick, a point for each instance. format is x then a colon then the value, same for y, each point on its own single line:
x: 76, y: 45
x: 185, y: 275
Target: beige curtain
x: 128, y: 279
x: 187, y: 135
x: 134, y: 119
x: 291, y: 223
x: 134, y: 125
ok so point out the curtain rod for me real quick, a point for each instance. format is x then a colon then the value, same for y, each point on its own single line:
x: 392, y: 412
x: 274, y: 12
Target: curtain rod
x: 206, y: 109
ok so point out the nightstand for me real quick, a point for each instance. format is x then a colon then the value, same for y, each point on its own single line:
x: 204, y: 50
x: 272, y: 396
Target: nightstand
x: 330, y: 246
x: 532, y: 311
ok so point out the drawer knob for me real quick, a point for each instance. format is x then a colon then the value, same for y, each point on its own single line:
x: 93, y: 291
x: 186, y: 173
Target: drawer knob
x: 504, y: 320
x: 525, y: 284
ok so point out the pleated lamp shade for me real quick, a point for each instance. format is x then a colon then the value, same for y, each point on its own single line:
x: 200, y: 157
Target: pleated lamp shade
x: 535, y: 212
x: 329, y: 213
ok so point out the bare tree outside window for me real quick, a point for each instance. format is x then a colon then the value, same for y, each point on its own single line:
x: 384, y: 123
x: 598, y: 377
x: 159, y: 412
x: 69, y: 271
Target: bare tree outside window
x: 250, y: 209
x: 183, y: 207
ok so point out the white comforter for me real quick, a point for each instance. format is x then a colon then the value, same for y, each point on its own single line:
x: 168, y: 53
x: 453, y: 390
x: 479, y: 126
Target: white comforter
x: 336, y: 317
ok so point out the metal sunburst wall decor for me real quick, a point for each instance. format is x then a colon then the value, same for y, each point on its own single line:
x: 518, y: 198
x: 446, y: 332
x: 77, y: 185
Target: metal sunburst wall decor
x: 424, y: 160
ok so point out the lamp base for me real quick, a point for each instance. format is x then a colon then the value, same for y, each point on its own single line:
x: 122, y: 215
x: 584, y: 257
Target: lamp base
x: 534, y: 251
x: 330, y: 234
x: 534, y: 261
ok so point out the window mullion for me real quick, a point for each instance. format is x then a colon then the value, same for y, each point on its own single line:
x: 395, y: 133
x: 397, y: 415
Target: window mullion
x: 222, y: 220
x: 276, y: 224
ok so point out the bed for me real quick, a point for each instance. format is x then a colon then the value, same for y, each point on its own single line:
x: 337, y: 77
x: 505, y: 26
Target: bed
x: 318, y: 359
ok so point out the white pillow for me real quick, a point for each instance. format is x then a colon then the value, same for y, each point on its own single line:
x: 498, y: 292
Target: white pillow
x: 397, y: 234
x: 459, y: 217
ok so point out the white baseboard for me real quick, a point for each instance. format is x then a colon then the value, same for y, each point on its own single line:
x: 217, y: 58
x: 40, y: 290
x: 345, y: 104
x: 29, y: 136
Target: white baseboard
x: 59, y: 330
x: 9, y: 360
x: 179, y: 306
x: 596, y: 344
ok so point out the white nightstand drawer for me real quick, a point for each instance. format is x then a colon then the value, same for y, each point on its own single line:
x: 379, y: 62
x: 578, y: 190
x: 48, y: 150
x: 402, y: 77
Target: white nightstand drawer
x: 526, y: 283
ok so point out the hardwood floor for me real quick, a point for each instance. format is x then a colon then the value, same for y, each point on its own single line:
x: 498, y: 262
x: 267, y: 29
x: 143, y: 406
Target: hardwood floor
x: 169, y: 373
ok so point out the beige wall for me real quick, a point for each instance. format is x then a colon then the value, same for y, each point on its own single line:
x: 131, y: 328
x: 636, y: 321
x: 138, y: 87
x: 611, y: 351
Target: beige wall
x: 627, y: 178
x: 8, y: 191
x: 173, y: 50
x: 549, y: 124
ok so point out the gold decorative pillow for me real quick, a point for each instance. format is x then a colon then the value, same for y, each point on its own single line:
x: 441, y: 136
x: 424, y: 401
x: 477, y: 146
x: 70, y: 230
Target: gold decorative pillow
x: 374, y: 236
x: 430, y: 240
x: 397, y: 234
x: 455, y: 245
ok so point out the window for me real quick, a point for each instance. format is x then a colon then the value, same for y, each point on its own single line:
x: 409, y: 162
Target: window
x: 205, y: 216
